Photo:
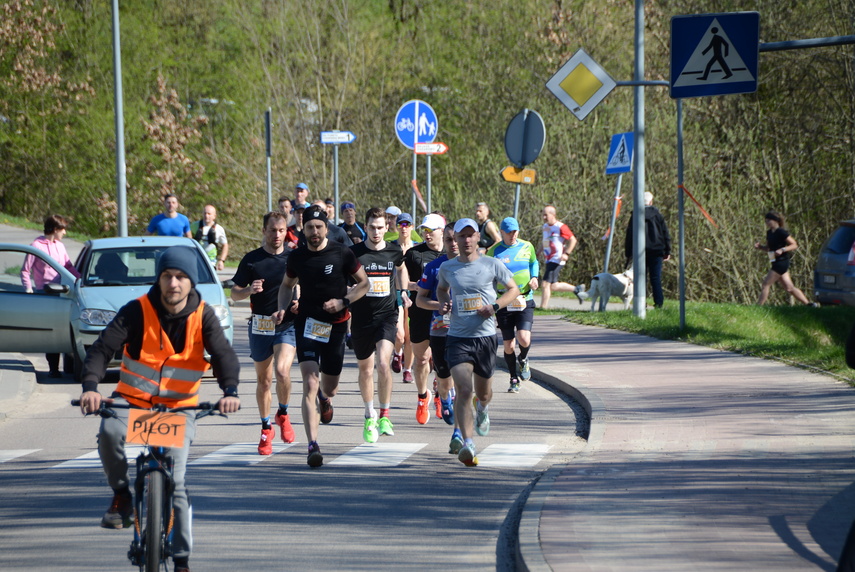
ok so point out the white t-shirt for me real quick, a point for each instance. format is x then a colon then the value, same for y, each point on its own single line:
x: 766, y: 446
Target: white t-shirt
x: 219, y: 238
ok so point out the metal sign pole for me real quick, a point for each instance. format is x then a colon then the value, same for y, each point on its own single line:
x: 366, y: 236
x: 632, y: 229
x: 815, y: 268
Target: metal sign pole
x: 269, y: 150
x: 427, y: 181
x: 680, y: 208
x: 415, y: 177
x: 612, y: 224
x: 121, y: 169
x: 639, y: 264
x: 335, y: 181
x: 517, y: 201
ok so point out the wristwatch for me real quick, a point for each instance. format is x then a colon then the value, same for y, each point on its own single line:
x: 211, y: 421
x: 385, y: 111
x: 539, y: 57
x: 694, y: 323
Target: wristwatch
x: 346, y: 302
x: 495, y: 308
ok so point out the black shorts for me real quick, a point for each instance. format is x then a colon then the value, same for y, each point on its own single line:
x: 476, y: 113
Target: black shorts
x: 330, y: 354
x: 553, y: 269
x: 420, y: 320
x: 480, y: 352
x: 781, y: 266
x: 437, y: 352
x: 365, y: 340
x: 510, y: 321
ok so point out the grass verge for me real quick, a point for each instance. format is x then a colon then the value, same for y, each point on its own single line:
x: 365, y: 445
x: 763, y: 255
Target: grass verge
x: 812, y: 338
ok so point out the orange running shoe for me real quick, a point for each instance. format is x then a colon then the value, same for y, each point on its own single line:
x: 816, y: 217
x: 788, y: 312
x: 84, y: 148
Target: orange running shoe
x: 265, y: 445
x: 437, y: 403
x: 285, y: 429
x: 422, y: 412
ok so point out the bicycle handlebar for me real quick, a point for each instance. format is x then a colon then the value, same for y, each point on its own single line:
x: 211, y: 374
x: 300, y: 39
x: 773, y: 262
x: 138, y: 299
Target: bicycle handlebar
x: 107, y: 406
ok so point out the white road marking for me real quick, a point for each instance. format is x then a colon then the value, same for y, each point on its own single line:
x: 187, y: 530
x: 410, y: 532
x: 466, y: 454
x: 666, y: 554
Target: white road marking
x: 92, y: 460
x: 239, y: 454
x: 511, y: 455
x: 9, y: 454
x: 377, y: 454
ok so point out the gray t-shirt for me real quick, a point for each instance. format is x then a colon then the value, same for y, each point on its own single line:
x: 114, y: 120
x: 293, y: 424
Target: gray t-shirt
x: 473, y: 284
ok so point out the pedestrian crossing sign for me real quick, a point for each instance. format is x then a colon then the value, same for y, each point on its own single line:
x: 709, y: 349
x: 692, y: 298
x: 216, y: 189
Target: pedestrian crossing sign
x: 621, y: 153
x: 714, y: 54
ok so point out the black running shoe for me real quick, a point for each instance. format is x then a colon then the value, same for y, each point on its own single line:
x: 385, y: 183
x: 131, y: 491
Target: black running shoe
x: 315, y: 459
x: 326, y: 410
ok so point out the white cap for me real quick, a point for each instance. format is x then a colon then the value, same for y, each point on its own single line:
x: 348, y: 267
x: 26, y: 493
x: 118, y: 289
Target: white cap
x: 433, y: 221
x: 393, y: 210
x: 465, y: 223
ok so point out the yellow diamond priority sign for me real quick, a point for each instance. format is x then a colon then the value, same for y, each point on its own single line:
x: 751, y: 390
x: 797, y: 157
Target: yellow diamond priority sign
x: 581, y: 84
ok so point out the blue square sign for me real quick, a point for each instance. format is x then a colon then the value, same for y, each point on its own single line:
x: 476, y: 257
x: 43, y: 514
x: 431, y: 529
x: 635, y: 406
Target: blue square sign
x: 714, y: 54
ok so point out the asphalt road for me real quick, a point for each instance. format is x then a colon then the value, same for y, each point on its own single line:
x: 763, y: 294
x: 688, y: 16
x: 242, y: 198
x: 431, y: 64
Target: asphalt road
x: 402, y: 504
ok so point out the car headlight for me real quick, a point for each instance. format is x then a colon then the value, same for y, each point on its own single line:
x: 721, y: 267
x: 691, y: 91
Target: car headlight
x: 222, y: 312
x: 97, y: 317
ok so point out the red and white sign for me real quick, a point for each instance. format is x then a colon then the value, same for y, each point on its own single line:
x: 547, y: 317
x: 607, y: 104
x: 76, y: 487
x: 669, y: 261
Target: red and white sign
x: 431, y: 148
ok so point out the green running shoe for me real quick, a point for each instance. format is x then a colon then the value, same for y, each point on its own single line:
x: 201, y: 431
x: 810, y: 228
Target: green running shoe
x: 385, y: 427
x: 482, y: 419
x: 369, y: 431
x: 456, y: 442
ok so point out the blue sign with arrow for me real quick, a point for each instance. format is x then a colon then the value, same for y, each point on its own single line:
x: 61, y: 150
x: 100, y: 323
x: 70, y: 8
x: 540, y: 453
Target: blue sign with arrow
x: 416, y: 122
x: 714, y: 54
x: 620, y: 153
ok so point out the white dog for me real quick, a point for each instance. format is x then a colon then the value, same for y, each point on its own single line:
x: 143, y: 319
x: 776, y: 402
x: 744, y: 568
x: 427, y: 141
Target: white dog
x: 605, y: 285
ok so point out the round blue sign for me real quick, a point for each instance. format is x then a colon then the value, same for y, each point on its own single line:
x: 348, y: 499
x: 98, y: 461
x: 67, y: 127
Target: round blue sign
x: 416, y: 122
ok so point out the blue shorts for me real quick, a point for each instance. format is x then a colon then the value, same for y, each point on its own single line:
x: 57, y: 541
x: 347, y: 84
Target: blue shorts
x: 261, y: 347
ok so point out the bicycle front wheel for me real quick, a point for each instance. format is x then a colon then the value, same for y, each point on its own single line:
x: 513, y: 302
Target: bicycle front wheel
x: 153, y: 539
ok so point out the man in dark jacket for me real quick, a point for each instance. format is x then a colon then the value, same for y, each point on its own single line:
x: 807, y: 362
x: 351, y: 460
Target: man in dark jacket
x: 162, y: 336
x: 657, y: 246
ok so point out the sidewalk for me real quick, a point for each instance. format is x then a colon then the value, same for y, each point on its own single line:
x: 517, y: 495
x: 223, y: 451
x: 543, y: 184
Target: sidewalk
x: 697, y: 459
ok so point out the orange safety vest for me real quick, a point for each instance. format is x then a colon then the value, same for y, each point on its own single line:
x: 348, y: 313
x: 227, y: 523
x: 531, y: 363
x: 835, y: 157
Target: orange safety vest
x: 160, y: 375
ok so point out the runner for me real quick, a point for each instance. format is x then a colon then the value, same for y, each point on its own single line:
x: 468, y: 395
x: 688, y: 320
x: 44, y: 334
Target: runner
x: 521, y: 259
x: 258, y: 276
x: 374, y: 321
x: 416, y: 259
x: 324, y: 268
x: 438, y: 331
x: 471, y: 343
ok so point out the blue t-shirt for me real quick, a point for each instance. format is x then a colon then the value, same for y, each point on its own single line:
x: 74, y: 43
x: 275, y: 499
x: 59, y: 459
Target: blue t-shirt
x: 428, y: 281
x: 162, y: 225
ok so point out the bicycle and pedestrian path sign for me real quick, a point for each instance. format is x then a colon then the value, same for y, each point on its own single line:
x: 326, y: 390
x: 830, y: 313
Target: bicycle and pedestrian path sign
x: 621, y: 153
x: 714, y: 54
x: 416, y: 122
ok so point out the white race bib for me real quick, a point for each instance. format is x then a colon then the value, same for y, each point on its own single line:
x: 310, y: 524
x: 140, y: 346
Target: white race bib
x: 318, y: 331
x: 378, y: 286
x: 263, y: 325
x: 468, y: 304
x: 518, y: 305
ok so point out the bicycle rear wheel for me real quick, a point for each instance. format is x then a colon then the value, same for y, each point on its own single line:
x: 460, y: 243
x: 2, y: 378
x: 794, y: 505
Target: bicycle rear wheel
x: 153, y: 527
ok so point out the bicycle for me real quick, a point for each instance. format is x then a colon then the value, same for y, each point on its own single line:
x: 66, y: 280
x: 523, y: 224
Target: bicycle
x: 153, y: 487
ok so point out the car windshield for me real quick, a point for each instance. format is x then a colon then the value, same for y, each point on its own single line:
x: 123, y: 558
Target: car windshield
x: 131, y: 266
x: 841, y: 241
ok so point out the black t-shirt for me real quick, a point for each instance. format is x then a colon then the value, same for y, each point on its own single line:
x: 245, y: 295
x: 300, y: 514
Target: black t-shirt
x: 322, y: 276
x: 380, y: 265
x: 415, y: 260
x: 354, y: 231
x: 260, y: 264
x: 776, y: 239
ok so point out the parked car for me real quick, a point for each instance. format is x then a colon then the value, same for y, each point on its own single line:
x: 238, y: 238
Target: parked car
x: 67, y: 317
x: 834, y: 275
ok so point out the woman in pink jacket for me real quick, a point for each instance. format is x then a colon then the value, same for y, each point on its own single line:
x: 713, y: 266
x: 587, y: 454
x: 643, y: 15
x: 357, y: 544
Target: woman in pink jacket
x: 36, y: 273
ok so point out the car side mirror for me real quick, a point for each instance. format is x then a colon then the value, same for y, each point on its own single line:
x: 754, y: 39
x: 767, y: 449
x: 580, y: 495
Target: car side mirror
x: 56, y: 289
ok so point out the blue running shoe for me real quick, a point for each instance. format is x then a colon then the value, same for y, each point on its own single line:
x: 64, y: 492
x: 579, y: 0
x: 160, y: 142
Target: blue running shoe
x: 456, y: 442
x: 448, y: 411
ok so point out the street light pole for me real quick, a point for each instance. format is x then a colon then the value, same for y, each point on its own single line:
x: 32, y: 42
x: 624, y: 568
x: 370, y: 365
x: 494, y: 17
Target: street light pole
x: 121, y: 186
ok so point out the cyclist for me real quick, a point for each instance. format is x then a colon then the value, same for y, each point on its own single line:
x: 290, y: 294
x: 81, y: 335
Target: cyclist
x: 163, y: 336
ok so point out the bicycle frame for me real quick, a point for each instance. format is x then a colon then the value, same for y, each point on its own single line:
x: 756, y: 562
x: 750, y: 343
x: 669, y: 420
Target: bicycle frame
x: 153, y: 494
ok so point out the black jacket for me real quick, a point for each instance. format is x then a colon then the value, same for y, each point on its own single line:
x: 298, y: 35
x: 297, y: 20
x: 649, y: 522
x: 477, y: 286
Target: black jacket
x: 127, y: 329
x: 657, y: 238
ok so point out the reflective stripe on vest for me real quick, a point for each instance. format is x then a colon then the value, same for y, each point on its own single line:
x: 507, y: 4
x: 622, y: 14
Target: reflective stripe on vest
x: 160, y: 375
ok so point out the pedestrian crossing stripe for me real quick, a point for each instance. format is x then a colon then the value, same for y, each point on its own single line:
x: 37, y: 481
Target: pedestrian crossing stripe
x: 714, y: 48
x: 238, y: 454
x: 512, y: 455
x: 9, y: 454
x: 377, y: 455
x: 382, y: 454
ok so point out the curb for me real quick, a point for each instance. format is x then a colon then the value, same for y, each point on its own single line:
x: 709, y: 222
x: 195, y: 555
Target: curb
x: 18, y: 380
x: 529, y: 555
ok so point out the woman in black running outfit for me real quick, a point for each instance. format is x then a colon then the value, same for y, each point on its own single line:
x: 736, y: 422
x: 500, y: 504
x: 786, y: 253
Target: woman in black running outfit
x: 779, y: 245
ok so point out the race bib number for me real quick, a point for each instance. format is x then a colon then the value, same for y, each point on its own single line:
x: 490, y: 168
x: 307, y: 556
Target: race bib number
x: 518, y: 305
x: 158, y: 429
x: 318, y: 331
x: 771, y: 255
x: 263, y: 325
x: 378, y: 286
x: 468, y: 304
x: 446, y: 319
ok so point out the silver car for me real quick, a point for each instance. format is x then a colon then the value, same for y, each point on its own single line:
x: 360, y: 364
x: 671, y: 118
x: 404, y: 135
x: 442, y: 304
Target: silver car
x: 834, y: 275
x: 67, y: 316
